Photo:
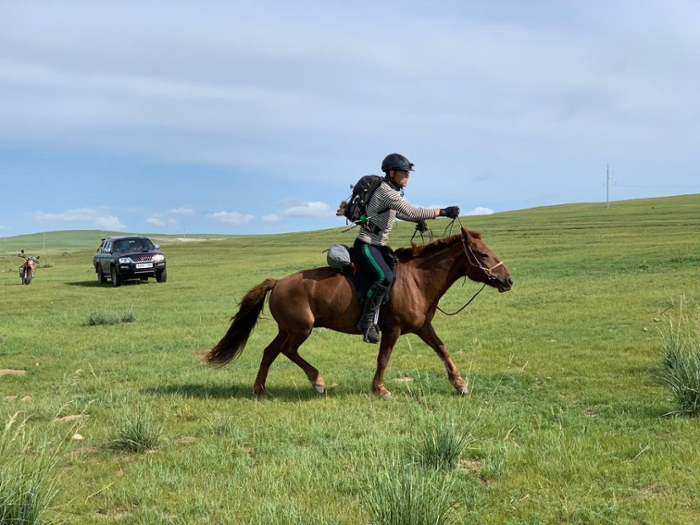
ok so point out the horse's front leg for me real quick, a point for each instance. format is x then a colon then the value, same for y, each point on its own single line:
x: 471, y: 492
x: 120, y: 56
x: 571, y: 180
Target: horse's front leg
x: 389, y: 338
x: 428, y: 335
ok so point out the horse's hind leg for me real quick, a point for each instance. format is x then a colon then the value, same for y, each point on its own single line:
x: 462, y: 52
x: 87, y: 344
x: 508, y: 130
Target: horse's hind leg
x: 428, y: 335
x: 269, y: 355
x: 290, y: 349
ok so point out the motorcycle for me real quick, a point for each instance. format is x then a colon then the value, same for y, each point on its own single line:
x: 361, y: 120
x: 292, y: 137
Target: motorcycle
x: 26, y: 271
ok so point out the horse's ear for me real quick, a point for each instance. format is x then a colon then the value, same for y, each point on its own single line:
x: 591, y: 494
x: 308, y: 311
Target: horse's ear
x: 465, y: 234
x: 469, y: 237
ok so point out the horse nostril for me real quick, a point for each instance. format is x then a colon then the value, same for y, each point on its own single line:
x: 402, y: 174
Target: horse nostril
x: 510, y: 281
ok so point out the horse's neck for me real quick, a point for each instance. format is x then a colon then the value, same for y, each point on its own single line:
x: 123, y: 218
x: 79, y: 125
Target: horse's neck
x: 439, y: 270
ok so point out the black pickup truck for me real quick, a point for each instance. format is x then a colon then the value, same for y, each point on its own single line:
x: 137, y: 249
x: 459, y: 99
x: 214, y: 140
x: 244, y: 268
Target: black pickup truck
x: 132, y: 257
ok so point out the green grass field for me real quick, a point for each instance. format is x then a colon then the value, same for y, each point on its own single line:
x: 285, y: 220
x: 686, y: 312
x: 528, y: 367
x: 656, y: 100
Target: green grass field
x: 567, y: 421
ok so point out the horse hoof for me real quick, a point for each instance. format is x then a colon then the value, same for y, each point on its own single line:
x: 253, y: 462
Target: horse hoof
x: 320, y: 388
x: 464, y: 390
x: 262, y: 393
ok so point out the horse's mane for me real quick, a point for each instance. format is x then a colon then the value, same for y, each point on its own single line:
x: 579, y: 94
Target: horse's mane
x: 415, y: 250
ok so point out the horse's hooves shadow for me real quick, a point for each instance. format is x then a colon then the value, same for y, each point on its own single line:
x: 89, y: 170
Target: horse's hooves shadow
x: 204, y: 391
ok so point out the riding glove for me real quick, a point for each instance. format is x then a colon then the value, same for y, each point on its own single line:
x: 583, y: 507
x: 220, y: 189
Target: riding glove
x: 451, y: 211
x: 421, y: 226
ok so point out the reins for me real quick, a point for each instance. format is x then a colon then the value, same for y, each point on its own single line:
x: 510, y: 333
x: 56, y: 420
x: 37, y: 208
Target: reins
x: 468, y: 251
x: 463, y: 307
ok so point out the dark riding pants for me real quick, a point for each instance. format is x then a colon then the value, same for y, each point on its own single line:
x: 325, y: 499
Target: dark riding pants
x: 378, y: 263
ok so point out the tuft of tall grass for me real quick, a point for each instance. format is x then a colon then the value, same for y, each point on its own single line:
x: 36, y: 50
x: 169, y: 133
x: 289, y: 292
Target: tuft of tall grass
x: 102, y: 319
x: 137, y: 433
x: 223, y: 426
x: 27, y: 482
x: 409, y: 496
x: 681, y: 364
x: 441, y: 447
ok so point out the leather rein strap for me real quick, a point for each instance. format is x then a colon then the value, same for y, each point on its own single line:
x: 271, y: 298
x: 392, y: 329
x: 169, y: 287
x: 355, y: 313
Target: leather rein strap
x: 468, y: 251
x: 463, y: 307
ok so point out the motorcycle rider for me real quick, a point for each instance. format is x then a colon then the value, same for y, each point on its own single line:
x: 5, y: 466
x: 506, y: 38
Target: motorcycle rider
x: 372, y: 254
x: 26, y: 270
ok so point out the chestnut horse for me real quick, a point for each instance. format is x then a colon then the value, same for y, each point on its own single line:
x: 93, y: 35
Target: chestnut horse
x: 323, y: 297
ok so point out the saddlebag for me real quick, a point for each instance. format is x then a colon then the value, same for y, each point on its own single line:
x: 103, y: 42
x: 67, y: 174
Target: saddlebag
x: 339, y: 257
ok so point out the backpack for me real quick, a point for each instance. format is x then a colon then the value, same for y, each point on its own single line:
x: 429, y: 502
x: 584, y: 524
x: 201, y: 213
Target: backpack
x: 354, y: 209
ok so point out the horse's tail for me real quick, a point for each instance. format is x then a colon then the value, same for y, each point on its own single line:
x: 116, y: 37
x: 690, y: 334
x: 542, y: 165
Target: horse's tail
x: 242, y: 324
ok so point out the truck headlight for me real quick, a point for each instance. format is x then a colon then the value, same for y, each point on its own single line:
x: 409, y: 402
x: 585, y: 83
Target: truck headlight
x: 124, y: 260
x: 158, y: 258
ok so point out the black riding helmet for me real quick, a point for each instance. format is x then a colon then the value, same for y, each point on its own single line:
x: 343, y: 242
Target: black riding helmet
x: 396, y: 161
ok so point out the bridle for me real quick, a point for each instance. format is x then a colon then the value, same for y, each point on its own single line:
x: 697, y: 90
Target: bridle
x: 485, y: 269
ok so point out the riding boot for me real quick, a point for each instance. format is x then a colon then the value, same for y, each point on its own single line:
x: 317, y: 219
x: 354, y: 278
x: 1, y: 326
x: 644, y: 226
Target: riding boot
x: 367, y: 325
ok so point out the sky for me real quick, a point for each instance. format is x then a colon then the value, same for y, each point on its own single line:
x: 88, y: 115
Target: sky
x: 230, y: 117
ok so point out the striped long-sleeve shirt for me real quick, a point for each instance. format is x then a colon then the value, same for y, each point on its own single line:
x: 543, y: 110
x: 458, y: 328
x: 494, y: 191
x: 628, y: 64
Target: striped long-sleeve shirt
x: 390, y: 203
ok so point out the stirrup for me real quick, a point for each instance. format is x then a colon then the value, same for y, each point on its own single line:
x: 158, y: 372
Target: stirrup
x: 371, y: 335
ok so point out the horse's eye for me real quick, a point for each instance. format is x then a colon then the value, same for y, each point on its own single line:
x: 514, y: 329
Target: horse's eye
x: 484, y: 255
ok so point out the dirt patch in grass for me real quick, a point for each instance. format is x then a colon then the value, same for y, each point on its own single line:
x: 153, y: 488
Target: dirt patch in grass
x: 473, y: 466
x: 66, y: 419
x: 9, y: 372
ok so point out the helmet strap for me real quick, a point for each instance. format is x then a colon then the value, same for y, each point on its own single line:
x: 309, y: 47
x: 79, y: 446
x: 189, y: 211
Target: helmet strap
x: 390, y: 180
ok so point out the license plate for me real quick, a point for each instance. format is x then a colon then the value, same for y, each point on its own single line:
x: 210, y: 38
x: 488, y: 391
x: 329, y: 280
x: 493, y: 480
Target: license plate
x: 144, y: 265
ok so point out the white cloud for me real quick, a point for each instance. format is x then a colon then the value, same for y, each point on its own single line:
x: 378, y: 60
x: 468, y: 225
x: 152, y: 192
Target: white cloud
x: 479, y: 211
x: 181, y: 211
x: 271, y: 218
x: 76, y: 215
x: 99, y: 217
x: 307, y: 210
x: 110, y: 222
x: 231, y: 218
x: 155, y: 221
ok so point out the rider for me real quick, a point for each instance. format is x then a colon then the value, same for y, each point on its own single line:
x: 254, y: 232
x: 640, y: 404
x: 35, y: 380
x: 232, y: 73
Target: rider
x: 373, y: 257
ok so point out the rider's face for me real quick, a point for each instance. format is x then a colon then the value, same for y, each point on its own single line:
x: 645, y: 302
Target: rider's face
x: 401, y: 178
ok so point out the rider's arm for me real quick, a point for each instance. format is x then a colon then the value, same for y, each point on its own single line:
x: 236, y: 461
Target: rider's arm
x: 405, y: 211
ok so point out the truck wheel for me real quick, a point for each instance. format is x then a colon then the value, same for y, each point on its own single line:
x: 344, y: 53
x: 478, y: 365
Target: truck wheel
x: 161, y: 277
x: 101, y: 278
x: 116, y: 280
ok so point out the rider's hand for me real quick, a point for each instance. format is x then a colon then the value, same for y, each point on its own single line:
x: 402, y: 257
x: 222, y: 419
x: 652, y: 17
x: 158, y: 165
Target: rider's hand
x: 421, y: 226
x: 451, y: 211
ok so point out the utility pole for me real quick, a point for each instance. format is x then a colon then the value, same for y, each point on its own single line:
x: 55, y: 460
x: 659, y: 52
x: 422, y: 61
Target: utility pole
x: 607, y: 187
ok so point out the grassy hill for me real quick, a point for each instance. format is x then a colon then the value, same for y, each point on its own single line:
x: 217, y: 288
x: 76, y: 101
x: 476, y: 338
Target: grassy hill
x: 73, y: 240
x: 566, y: 422
x: 620, y: 214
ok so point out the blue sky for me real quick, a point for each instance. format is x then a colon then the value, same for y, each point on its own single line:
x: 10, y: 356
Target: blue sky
x: 251, y: 118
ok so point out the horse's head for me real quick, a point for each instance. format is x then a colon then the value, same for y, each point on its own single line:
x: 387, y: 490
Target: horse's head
x: 482, y: 264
